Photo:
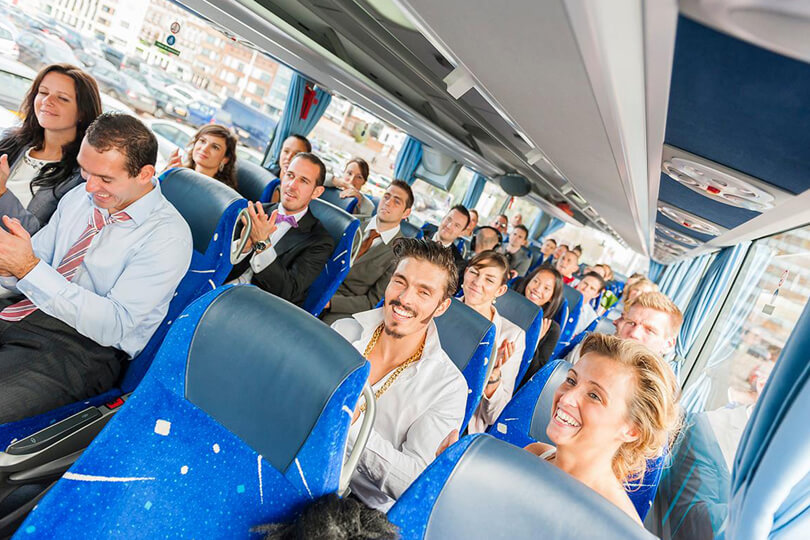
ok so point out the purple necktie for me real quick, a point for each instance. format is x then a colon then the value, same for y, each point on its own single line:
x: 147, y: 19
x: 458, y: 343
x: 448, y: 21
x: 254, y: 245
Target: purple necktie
x: 287, y: 219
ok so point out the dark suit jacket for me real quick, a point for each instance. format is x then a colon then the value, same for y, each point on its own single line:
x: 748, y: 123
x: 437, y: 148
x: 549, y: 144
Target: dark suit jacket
x: 366, y: 282
x: 301, y: 255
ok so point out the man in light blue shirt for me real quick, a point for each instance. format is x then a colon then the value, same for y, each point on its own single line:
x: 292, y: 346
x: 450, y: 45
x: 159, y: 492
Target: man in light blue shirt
x: 97, y: 279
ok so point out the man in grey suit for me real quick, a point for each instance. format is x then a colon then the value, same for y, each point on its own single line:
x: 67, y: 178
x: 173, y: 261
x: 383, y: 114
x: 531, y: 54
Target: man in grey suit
x: 516, y: 253
x: 369, y: 275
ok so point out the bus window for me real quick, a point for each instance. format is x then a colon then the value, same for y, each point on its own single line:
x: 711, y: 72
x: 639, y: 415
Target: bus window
x: 527, y: 209
x: 732, y: 368
x: 492, y: 201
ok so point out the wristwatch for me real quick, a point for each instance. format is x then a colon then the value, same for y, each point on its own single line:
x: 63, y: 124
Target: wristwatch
x: 261, y: 245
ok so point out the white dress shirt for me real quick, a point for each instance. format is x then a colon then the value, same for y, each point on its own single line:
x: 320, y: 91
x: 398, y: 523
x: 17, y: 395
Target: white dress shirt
x: 491, y: 407
x: 385, y: 236
x: 122, y: 289
x: 260, y: 261
x: 424, y: 404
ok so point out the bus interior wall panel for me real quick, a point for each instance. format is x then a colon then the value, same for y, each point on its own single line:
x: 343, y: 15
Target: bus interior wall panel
x: 722, y: 214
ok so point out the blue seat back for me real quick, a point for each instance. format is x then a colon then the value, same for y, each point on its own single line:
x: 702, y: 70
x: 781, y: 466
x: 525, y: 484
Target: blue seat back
x: 525, y: 418
x: 375, y: 201
x: 468, y: 339
x: 517, y: 309
x: 409, y: 230
x: 225, y: 432
x: 210, y: 208
x: 484, y: 488
x: 463, y: 245
x: 255, y: 183
x: 429, y: 229
x: 343, y: 228
x: 573, y: 298
x: 332, y: 195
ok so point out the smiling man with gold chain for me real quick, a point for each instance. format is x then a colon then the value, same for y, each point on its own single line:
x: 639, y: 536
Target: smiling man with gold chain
x: 421, y: 395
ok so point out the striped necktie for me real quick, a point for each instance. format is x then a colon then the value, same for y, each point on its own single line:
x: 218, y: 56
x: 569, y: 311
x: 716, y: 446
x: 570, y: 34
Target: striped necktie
x: 70, y: 262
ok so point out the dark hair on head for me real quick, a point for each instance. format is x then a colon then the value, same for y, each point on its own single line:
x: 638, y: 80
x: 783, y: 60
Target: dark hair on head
x: 126, y: 134
x: 564, y: 246
x: 551, y: 307
x: 307, y: 144
x: 551, y: 240
x: 504, y: 216
x: 491, y: 259
x: 577, y: 248
x: 460, y: 208
x: 31, y: 134
x: 522, y: 228
x: 333, y: 518
x: 401, y: 184
x: 433, y: 252
x: 363, y: 165
x: 473, y: 211
x: 227, y: 171
x: 598, y: 278
x: 315, y: 160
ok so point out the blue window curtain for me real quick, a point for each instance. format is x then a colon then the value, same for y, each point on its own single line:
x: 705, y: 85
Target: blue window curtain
x: 554, y: 225
x: 474, y: 191
x: 656, y: 269
x: 770, y: 482
x: 697, y: 394
x: 408, y: 159
x: 538, y: 220
x: 291, y: 121
x: 709, y: 291
x: 682, y: 294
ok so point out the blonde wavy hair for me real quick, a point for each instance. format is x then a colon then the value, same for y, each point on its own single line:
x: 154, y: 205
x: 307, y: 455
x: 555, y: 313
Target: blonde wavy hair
x: 653, y: 408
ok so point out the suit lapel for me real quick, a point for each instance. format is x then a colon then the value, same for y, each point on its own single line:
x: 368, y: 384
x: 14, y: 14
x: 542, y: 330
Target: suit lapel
x: 296, y: 235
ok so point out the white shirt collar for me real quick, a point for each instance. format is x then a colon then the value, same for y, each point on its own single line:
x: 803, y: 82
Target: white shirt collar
x: 436, y: 239
x: 298, y: 216
x: 386, y: 236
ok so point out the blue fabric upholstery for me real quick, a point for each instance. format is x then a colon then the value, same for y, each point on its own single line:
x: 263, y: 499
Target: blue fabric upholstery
x: 573, y: 301
x: 208, y: 446
x: 577, y: 339
x: 210, y: 208
x: 468, y: 339
x: 409, y: 230
x: 255, y: 183
x: 343, y: 227
x: 526, y: 416
x: 517, y: 309
x: 429, y: 229
x: 332, y: 195
x: 484, y: 488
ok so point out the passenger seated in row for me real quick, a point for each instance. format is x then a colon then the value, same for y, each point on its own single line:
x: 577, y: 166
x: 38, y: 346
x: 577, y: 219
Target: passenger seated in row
x: 501, y: 224
x: 355, y: 176
x: 547, y: 250
x: 567, y: 265
x: 98, y: 278
x: 421, y: 395
x: 517, y: 219
x: 291, y: 147
x: 38, y: 163
x: 516, y: 253
x: 561, y: 250
x: 288, y: 247
x: 468, y: 232
x: 374, y: 264
x: 651, y: 319
x: 486, y: 239
x: 635, y: 287
x: 212, y: 152
x: 484, y: 281
x: 456, y: 220
x: 543, y: 287
x: 590, y: 286
x: 616, y: 409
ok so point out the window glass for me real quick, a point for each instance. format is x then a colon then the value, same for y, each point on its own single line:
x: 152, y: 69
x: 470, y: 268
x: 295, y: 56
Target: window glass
x: 493, y: 198
x: 430, y: 203
x: 756, y: 319
x: 526, y: 208
x: 598, y: 247
x: 460, y: 184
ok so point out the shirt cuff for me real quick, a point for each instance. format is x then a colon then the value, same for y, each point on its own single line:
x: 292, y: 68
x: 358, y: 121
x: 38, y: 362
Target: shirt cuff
x: 42, y: 284
x: 8, y: 282
x: 241, y: 256
x: 263, y: 259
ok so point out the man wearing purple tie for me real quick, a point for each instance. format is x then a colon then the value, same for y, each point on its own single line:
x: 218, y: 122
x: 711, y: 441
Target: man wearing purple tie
x: 97, y: 279
x: 288, y: 247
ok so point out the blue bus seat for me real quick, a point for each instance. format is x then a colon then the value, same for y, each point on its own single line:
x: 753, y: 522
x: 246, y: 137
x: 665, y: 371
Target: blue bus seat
x: 463, y: 246
x: 224, y: 433
x: 469, y: 341
x: 344, y: 230
x: 517, y: 309
x: 211, y: 209
x: 332, y: 195
x: 526, y: 416
x: 409, y: 230
x: 429, y: 229
x: 573, y: 300
x: 485, y: 488
x: 255, y: 183
x: 577, y: 339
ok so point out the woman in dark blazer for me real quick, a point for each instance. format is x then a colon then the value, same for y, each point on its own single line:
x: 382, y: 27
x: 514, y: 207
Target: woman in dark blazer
x: 544, y: 287
x: 38, y: 158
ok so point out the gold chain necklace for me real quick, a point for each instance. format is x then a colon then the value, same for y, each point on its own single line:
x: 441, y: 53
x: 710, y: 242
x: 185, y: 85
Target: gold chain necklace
x: 390, y: 380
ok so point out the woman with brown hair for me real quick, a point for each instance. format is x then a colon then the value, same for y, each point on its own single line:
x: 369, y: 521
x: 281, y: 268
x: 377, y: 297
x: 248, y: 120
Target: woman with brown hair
x: 355, y: 176
x: 38, y: 158
x: 212, y: 153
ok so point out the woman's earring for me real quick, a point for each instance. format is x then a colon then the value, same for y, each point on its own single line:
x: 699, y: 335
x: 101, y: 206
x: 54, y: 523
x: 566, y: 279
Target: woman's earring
x: 221, y: 167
